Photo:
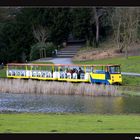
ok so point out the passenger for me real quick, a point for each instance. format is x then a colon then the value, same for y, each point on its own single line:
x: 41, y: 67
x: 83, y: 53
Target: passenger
x: 43, y: 74
x: 68, y: 70
x: 61, y: 69
x: 62, y: 74
x: 14, y: 73
x: 68, y: 73
x: 75, y: 72
x: 80, y: 72
x: 71, y: 71
x: 22, y: 73
x: 2, y: 65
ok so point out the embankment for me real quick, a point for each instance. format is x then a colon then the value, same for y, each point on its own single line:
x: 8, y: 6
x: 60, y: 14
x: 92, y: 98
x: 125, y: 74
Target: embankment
x: 52, y: 87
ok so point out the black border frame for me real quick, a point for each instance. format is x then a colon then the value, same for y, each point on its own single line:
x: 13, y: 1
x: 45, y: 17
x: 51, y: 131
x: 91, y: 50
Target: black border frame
x: 69, y: 3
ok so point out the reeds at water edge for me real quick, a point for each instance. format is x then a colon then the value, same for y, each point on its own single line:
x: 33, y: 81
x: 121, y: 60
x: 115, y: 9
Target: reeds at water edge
x: 56, y: 88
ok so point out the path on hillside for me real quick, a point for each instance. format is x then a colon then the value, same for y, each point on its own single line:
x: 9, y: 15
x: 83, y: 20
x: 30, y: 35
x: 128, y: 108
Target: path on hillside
x: 56, y: 60
x: 64, y: 55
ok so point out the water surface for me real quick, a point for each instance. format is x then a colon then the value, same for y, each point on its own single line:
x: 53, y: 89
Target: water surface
x: 10, y: 102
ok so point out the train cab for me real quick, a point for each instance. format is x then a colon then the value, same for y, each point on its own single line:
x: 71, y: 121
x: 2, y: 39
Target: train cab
x: 106, y: 74
x: 115, y: 74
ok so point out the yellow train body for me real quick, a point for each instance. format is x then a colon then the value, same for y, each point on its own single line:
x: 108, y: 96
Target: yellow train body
x: 115, y: 78
x: 108, y: 74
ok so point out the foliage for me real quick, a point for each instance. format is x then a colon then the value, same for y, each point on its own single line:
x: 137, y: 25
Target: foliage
x: 60, y: 25
x: 41, y: 49
x: 18, y: 26
x: 81, y: 23
x: 16, y: 38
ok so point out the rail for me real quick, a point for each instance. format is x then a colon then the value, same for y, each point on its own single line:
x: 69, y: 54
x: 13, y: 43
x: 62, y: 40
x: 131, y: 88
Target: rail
x: 130, y: 74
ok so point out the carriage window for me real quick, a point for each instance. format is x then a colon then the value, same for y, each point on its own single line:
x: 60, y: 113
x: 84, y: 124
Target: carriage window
x: 115, y: 69
x: 88, y: 69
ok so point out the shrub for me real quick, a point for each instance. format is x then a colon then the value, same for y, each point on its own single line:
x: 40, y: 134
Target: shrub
x: 38, y: 47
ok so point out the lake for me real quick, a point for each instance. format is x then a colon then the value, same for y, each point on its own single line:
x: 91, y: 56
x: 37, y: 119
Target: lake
x: 10, y: 102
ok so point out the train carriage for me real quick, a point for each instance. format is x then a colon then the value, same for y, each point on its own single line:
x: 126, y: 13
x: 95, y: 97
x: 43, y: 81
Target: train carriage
x: 73, y: 73
x: 103, y: 74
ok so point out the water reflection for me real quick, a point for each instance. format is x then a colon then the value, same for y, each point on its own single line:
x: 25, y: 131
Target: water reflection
x: 72, y: 104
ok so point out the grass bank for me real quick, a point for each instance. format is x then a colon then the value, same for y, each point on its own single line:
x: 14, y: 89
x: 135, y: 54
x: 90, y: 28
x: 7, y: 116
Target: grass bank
x: 3, y: 72
x: 132, y: 81
x: 65, y: 123
x: 132, y: 64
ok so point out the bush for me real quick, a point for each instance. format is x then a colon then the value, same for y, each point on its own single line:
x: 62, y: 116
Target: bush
x: 35, y: 50
x: 50, y: 48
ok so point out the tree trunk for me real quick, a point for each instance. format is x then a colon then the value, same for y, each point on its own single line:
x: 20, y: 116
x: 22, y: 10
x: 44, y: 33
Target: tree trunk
x: 121, y: 47
x: 97, y: 26
x: 126, y: 51
x: 40, y: 53
x: 97, y: 31
x: 118, y: 37
x: 45, y: 53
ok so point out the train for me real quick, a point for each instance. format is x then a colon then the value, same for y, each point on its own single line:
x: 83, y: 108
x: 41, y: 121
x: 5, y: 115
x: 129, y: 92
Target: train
x: 108, y: 74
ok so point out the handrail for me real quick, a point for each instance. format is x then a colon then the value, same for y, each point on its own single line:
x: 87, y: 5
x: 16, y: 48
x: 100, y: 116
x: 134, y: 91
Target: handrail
x: 31, y: 64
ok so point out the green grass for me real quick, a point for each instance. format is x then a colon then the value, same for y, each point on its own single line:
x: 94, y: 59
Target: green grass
x: 42, y: 62
x: 3, y: 73
x: 132, y: 64
x: 65, y: 123
x: 131, y: 80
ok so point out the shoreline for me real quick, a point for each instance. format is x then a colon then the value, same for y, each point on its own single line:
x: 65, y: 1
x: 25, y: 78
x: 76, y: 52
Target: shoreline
x: 56, y: 88
x: 65, y: 88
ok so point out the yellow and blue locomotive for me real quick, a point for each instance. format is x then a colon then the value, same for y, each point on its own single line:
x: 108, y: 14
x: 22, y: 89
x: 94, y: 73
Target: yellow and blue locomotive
x: 102, y: 74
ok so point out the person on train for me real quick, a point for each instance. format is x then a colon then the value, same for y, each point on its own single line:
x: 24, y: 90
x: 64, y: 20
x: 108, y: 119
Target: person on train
x: 75, y: 73
x: 80, y: 72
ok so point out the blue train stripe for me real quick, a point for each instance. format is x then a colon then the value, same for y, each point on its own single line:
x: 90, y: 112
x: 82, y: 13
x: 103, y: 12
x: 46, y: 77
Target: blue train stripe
x: 99, y: 81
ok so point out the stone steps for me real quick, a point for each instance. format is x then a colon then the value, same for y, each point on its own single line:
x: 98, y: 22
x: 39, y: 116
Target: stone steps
x: 65, y: 55
x: 68, y: 51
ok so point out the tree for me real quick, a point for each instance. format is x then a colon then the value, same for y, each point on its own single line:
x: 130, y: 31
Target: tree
x: 125, y: 25
x: 80, y: 23
x: 96, y: 14
x: 60, y: 26
x: 41, y: 34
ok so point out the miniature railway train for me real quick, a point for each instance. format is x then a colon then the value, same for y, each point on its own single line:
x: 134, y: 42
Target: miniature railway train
x: 103, y: 74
